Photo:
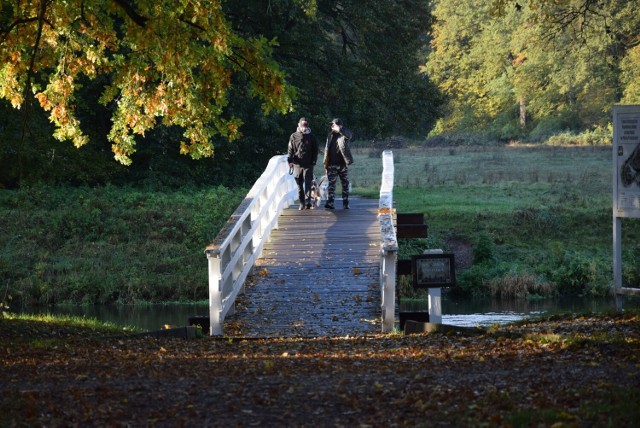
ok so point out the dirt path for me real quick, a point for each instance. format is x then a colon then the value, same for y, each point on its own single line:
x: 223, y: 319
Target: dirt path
x: 573, y: 371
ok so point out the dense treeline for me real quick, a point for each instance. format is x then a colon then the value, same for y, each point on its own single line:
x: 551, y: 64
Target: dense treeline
x: 533, y: 68
x: 354, y: 59
x: 247, y: 70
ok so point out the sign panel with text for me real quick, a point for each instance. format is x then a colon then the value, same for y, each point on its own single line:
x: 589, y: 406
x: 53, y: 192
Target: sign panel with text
x: 433, y: 270
x: 626, y: 160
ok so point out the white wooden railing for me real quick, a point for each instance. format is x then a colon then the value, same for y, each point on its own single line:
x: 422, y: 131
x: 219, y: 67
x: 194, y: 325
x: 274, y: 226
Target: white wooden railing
x: 239, y: 244
x: 389, y: 244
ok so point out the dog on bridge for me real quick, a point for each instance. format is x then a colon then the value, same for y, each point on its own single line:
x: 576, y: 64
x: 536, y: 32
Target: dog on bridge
x: 319, y: 190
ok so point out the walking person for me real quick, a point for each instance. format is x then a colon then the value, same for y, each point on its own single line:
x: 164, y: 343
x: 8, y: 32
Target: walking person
x: 302, y: 155
x: 337, y: 158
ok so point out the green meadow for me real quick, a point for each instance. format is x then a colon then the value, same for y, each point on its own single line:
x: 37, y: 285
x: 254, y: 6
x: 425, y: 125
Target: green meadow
x: 109, y: 244
x: 523, y: 221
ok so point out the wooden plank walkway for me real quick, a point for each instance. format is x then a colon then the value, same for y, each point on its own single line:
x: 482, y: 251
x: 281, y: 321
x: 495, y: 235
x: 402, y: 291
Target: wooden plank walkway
x: 318, y: 276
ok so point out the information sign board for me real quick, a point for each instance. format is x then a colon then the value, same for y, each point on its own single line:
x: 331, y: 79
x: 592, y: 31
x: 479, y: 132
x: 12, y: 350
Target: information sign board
x: 626, y: 163
x: 433, y: 270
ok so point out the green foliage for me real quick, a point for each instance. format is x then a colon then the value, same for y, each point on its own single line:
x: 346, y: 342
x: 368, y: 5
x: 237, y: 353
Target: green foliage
x: 576, y: 273
x: 550, y: 126
x: 474, y: 281
x: 529, y: 69
x: 631, y: 267
x: 630, y: 67
x: 595, y: 137
x: 484, y: 251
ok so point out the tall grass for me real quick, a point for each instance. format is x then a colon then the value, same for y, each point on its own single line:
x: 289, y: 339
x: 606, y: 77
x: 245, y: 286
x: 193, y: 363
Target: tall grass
x: 546, y: 210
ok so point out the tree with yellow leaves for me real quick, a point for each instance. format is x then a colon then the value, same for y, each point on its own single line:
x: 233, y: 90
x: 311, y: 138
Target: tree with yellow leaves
x: 169, y: 62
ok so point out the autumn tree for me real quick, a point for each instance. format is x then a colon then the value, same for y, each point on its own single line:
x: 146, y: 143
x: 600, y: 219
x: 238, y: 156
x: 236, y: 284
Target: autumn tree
x: 166, y: 61
x: 521, y: 72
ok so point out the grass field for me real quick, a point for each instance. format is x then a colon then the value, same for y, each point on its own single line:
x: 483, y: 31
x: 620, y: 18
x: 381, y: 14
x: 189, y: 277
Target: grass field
x: 108, y: 244
x: 522, y: 220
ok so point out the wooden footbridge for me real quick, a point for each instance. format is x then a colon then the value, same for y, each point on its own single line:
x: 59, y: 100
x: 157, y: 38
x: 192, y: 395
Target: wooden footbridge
x: 276, y: 271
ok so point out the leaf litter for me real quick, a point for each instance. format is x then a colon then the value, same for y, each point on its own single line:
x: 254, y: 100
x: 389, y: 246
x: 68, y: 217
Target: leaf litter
x: 563, y: 371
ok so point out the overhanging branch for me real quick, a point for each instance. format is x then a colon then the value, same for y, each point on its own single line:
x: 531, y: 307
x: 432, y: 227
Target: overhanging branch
x: 131, y: 12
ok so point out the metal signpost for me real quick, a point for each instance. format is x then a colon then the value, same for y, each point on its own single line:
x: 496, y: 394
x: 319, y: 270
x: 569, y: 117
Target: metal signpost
x: 626, y: 185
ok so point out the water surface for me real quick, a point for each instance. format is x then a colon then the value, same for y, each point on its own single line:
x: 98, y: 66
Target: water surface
x: 467, y: 313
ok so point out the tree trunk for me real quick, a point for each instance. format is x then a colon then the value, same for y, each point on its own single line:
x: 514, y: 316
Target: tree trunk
x: 523, y: 113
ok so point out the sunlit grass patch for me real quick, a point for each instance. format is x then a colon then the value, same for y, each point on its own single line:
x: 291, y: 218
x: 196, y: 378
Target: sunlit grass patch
x: 46, y: 331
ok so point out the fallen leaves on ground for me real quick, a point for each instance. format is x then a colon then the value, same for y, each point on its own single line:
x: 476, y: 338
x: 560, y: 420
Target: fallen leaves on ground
x: 564, y: 371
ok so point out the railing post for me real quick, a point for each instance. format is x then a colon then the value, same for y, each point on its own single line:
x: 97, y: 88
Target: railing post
x: 388, y: 290
x: 435, y: 305
x: 389, y: 244
x: 215, y: 294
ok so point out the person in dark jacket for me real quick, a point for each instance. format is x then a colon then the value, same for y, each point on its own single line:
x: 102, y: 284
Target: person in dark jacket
x: 337, y: 158
x: 302, y: 156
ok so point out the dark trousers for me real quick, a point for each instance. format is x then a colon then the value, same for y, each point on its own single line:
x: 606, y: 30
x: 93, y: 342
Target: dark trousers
x: 304, y: 178
x: 333, y: 173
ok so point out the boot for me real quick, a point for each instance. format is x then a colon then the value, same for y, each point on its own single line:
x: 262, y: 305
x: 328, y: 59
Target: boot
x: 345, y: 204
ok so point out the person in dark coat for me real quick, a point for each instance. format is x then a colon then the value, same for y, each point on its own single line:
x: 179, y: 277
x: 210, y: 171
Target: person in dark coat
x: 302, y: 156
x: 337, y: 158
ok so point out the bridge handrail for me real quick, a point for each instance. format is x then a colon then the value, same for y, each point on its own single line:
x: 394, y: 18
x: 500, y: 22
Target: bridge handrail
x: 239, y: 243
x: 389, y: 244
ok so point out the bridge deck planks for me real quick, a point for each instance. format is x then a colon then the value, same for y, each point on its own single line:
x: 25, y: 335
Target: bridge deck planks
x: 317, y: 276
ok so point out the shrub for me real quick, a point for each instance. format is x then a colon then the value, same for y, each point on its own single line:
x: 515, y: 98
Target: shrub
x: 548, y: 127
x: 577, y: 275
x: 631, y: 268
x: 484, y: 251
x: 520, y: 286
x: 597, y: 137
x: 476, y: 280
x: 472, y: 282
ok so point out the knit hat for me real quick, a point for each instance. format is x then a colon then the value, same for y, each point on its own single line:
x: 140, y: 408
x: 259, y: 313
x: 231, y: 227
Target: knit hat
x: 336, y: 121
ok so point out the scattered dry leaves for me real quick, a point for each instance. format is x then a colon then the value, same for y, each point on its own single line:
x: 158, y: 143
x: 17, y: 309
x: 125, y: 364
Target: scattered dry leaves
x: 565, y: 371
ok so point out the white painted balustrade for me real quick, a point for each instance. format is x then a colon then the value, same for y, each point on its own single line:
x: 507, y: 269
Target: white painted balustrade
x: 239, y: 244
